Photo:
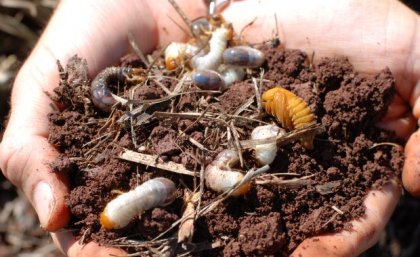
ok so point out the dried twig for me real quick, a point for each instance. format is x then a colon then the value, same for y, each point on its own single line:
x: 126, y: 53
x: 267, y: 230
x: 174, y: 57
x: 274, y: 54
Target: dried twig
x: 150, y: 160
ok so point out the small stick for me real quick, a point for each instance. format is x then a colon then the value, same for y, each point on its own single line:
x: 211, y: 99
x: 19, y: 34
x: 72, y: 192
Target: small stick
x: 197, y: 144
x: 257, y: 94
x: 150, y: 160
x: 244, y: 106
x: 237, y: 143
x: 335, y: 208
x: 385, y: 143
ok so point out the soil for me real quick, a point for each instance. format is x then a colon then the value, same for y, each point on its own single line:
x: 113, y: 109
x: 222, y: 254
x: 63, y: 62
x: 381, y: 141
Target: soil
x: 271, y: 219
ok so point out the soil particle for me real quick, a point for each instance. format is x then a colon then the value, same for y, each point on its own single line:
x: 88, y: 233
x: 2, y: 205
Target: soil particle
x: 164, y: 141
x: 155, y: 222
x: 261, y: 235
x: 235, y: 96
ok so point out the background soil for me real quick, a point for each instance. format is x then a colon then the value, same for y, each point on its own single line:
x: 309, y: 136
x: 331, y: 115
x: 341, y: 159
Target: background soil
x: 21, y: 23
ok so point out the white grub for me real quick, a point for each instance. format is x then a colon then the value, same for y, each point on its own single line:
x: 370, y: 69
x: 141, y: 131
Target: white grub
x: 231, y: 74
x: 266, y: 153
x: 220, y: 177
x: 152, y: 193
x: 243, y: 56
x: 176, y: 54
x: 213, y: 58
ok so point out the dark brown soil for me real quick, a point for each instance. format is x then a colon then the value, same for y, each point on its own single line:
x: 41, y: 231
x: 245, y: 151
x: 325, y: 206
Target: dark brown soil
x: 271, y: 219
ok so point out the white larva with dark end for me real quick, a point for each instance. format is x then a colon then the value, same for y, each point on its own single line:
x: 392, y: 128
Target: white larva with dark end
x: 212, y: 80
x: 231, y: 74
x: 219, y: 175
x: 152, y: 193
x: 213, y: 58
x: 243, y: 56
x: 177, y: 53
x: 266, y: 153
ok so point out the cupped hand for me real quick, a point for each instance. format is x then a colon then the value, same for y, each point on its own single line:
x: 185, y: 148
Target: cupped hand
x: 374, y: 35
x: 97, y: 31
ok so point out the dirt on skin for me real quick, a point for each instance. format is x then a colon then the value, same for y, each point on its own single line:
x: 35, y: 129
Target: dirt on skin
x: 270, y: 220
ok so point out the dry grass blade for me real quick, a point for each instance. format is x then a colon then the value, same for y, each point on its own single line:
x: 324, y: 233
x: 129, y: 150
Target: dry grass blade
x: 14, y: 27
x: 7, y: 72
x: 385, y: 144
x: 186, y: 228
x: 327, y: 188
x: 20, y: 4
x: 237, y: 143
x: 183, y: 16
x: 290, y: 183
x: 244, y: 106
x: 335, y: 208
x: 257, y: 95
x: 152, y: 161
x: 137, y: 50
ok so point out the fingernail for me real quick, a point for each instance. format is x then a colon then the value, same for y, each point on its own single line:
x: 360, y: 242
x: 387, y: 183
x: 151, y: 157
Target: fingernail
x: 43, y: 202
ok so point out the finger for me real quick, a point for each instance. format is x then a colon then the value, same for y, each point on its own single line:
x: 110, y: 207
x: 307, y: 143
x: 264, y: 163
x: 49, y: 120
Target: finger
x: 364, y: 232
x: 411, y: 170
x: 28, y: 169
x: 403, y: 126
x: 72, y: 248
x: 397, y: 108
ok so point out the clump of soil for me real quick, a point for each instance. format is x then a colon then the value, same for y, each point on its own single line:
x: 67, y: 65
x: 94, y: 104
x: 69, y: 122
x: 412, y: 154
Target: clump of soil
x: 271, y: 219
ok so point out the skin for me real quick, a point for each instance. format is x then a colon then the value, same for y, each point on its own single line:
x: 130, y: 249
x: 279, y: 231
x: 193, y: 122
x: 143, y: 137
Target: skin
x: 374, y: 34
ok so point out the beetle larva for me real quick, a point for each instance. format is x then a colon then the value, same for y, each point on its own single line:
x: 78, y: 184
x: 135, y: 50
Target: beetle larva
x: 231, y: 74
x: 243, y: 56
x: 177, y: 53
x: 266, y: 153
x: 100, y: 93
x: 121, y: 210
x: 213, y: 58
x: 290, y: 110
x: 221, y: 178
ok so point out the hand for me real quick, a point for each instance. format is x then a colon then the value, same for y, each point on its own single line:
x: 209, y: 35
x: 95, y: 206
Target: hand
x: 97, y: 31
x: 374, y: 35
